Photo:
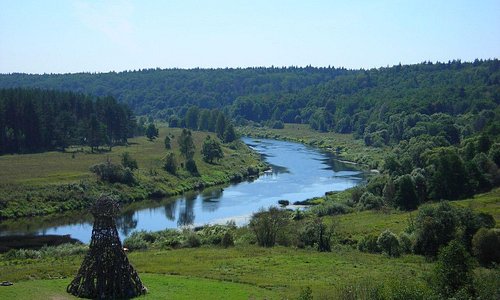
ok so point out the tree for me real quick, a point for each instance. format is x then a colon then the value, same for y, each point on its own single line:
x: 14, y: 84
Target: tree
x: 220, y: 126
x: 267, y: 224
x: 453, y: 271
x: 405, y: 196
x: 186, y: 144
x: 389, y: 244
x: 211, y: 150
x: 167, y: 142
x: 435, y: 226
x: 486, y: 245
x: 151, y: 132
x: 192, y: 117
x: 96, y: 133
x: 128, y: 161
x: 170, y: 163
x: 229, y: 134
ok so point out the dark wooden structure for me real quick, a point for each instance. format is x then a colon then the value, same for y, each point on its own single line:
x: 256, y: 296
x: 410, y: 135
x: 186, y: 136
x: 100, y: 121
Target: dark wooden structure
x: 105, y: 272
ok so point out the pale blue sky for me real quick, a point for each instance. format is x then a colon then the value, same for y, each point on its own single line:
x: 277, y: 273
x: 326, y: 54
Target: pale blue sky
x: 60, y: 36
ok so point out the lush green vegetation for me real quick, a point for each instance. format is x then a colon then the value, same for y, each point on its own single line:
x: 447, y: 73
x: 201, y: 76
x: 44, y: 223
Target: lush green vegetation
x: 199, y: 258
x: 33, y: 120
x: 50, y: 182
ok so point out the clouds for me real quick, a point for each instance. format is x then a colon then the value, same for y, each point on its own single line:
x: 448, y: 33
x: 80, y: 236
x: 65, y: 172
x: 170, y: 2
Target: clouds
x: 112, y: 19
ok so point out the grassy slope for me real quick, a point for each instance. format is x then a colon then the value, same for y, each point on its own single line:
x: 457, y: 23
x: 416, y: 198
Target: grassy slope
x: 277, y: 272
x: 37, y: 184
x: 350, y: 149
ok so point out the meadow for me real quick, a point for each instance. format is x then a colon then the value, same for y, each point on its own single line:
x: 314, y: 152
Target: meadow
x: 247, y: 271
x: 54, y: 182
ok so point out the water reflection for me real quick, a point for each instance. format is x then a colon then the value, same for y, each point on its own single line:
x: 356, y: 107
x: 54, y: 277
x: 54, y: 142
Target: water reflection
x: 297, y: 172
x: 170, y: 209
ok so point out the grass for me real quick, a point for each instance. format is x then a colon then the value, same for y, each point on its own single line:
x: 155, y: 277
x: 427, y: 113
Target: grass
x: 277, y: 272
x: 344, y: 145
x: 160, y: 287
x: 248, y: 271
x: 54, y: 182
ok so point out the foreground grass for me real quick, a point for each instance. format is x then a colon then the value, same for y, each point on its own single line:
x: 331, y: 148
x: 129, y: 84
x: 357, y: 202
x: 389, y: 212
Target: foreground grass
x: 160, y: 287
x: 343, y: 145
x: 277, y: 272
x: 251, y: 272
x: 54, y: 182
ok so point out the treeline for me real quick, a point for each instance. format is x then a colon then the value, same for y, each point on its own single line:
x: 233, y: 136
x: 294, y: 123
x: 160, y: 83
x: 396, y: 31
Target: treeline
x: 34, y: 120
x: 206, y: 120
x: 162, y: 93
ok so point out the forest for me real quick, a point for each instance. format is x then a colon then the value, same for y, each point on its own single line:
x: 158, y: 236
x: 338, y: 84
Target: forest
x: 34, y: 120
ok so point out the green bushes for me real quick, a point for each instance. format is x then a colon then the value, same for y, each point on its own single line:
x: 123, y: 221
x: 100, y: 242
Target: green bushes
x: 172, y: 238
x: 266, y: 224
x: 112, y: 173
x: 128, y: 161
x: 316, y: 234
x: 369, y: 244
x: 389, y: 244
x: 486, y: 246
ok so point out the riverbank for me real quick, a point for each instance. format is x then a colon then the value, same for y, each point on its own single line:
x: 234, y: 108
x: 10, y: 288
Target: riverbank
x: 344, y: 146
x: 248, y: 271
x: 55, y: 182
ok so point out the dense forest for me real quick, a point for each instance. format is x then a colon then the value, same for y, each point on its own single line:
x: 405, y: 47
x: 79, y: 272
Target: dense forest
x: 442, y: 120
x: 34, y: 120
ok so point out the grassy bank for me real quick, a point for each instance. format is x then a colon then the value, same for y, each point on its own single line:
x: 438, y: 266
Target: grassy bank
x: 345, y: 146
x: 247, y: 271
x: 53, y: 182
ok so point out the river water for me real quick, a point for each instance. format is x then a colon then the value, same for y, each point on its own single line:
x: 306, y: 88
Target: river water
x: 298, y: 172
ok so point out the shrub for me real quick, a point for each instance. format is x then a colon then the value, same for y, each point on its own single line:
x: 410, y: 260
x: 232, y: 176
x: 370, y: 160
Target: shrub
x: 486, y: 246
x: 370, y: 201
x: 278, y: 125
x: 316, y: 234
x: 129, y: 162
x: 267, y: 224
x: 453, y: 271
x: 167, y: 142
x: 389, y: 244
x: 330, y: 208
x: 227, y: 240
x: 368, y: 243
x: 191, y: 167
x: 112, y: 173
x: 406, y: 242
x: 434, y: 226
x: 192, y: 240
x: 170, y: 164
x: 136, y: 241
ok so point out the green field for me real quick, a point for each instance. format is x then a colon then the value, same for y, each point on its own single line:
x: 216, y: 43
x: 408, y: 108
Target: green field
x: 53, y: 182
x: 251, y: 272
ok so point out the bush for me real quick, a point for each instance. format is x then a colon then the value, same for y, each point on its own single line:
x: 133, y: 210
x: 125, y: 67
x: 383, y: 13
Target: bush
x: 112, y: 173
x: 192, y: 240
x: 191, y: 167
x: 368, y: 243
x: 486, y: 246
x: 389, y: 244
x: 129, y: 162
x: 316, y: 234
x: 136, y: 241
x: 227, y: 240
x: 278, y: 125
x: 370, y: 201
x: 330, y: 208
x: 435, y: 226
x: 267, y: 224
x: 167, y: 142
x: 170, y: 164
x: 406, y: 242
x: 453, y: 271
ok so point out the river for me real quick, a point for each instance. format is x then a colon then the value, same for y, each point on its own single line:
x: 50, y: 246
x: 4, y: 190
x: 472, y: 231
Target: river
x: 298, y: 172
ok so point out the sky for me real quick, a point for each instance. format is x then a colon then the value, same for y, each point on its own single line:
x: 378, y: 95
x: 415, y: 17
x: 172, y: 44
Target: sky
x: 69, y: 36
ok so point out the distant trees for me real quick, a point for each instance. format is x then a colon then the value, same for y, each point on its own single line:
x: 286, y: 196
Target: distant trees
x: 33, y: 120
x: 170, y: 164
